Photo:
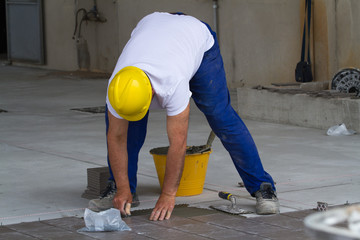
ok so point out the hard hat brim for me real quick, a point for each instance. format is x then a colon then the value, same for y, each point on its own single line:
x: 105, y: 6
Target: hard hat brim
x: 134, y: 118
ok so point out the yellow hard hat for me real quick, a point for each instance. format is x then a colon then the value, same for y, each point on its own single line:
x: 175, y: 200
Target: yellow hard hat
x: 130, y: 93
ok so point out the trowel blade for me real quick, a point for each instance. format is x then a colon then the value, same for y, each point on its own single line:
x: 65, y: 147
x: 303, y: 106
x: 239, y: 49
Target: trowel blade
x: 231, y: 209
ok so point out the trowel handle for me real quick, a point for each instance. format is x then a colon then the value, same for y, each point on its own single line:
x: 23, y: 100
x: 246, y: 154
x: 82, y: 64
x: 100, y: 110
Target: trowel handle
x: 210, y: 139
x: 225, y: 195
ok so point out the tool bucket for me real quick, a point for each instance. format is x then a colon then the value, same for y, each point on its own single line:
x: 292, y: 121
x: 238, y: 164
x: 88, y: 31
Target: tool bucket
x: 194, y: 173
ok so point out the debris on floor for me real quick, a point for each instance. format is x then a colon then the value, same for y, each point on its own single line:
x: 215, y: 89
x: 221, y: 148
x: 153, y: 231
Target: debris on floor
x: 322, y: 206
x: 100, y: 109
x: 339, y: 130
x: 241, y: 184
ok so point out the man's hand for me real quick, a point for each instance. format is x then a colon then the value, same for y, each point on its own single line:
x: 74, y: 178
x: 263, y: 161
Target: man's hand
x: 163, y: 208
x: 122, y: 201
x: 177, y: 127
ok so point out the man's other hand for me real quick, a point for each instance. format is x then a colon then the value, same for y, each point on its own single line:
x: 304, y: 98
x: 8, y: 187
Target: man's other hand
x: 163, y: 208
x: 122, y: 201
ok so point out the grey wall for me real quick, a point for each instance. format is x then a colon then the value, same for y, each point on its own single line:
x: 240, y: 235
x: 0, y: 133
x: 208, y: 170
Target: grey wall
x: 60, y: 50
x: 260, y: 39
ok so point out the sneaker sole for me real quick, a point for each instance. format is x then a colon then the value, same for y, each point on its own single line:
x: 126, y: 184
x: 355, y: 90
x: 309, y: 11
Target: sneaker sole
x: 268, y: 208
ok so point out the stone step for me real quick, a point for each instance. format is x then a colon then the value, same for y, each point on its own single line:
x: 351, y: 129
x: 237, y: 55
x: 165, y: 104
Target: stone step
x: 317, y: 109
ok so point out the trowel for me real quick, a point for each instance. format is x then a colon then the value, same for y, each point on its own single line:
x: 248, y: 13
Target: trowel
x: 202, y: 148
x: 232, y: 208
x: 211, y: 138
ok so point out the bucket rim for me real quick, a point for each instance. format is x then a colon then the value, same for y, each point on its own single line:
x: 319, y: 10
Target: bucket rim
x: 165, y: 149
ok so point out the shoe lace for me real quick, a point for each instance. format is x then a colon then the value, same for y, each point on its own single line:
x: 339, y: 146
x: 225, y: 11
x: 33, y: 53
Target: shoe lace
x: 267, y: 192
x: 110, y: 190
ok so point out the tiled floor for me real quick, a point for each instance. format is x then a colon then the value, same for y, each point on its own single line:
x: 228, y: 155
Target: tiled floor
x: 186, y: 223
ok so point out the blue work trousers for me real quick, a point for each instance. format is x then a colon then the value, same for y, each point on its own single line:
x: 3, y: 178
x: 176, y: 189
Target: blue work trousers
x: 211, y: 96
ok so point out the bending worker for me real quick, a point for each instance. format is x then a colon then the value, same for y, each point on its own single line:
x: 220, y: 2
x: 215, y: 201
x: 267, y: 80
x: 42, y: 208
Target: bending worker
x: 168, y: 59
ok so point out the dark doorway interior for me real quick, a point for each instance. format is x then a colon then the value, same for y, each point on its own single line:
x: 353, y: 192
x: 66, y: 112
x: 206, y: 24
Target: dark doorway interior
x: 3, y: 41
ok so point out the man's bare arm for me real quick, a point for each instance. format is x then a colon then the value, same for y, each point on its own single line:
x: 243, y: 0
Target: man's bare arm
x: 177, y: 127
x: 118, y: 157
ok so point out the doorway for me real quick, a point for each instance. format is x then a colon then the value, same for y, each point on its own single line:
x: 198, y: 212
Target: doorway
x: 3, y: 38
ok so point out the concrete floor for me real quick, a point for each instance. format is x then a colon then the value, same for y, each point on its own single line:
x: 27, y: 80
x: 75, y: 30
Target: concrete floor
x: 45, y: 149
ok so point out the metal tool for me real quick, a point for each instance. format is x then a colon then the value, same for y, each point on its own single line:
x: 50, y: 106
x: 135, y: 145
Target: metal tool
x: 211, y: 138
x: 202, y: 148
x: 233, y: 208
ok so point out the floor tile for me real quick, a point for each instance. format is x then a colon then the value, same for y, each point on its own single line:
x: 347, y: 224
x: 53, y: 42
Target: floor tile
x: 126, y: 235
x: 147, y: 228
x: 44, y: 231
x: 4, y: 229
x: 173, y: 234
x: 199, y: 228
x: 136, y: 220
x: 212, y: 217
x: 299, y: 214
x: 68, y: 223
x: 229, y: 234
x: 213, y: 231
x: 243, y: 225
x: 281, y: 221
x: 175, y: 221
x: 10, y: 234
x: 286, y: 235
x: 16, y: 236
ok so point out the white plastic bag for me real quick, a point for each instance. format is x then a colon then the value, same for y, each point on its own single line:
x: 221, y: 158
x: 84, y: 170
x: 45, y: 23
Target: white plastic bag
x: 339, y: 130
x: 354, y: 221
x: 105, y: 221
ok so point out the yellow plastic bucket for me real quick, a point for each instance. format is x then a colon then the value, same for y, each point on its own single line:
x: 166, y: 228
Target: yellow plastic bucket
x: 193, y: 177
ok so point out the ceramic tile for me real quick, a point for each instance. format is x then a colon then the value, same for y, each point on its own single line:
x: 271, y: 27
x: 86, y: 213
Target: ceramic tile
x: 175, y: 221
x: 213, y: 217
x: 126, y: 235
x: 286, y: 235
x: 173, y: 234
x: 281, y: 221
x: 16, y: 236
x: 68, y: 223
x: 299, y: 214
x: 199, y: 228
x: 4, y: 229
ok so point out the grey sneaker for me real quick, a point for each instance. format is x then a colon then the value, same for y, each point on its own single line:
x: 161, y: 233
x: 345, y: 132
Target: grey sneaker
x: 135, y: 200
x: 266, y: 200
x: 106, y: 200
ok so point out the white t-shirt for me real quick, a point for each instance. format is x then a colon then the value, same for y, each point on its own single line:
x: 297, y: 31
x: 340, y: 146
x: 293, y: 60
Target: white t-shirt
x: 169, y: 49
